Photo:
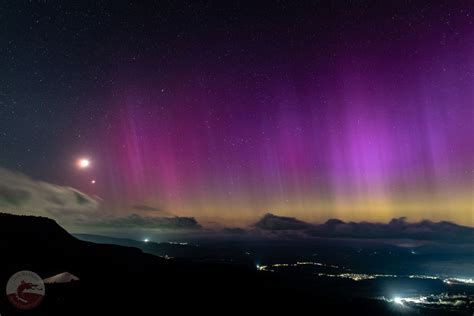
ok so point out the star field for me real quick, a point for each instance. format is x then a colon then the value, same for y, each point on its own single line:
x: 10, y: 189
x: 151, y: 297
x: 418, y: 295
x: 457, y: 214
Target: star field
x: 358, y: 110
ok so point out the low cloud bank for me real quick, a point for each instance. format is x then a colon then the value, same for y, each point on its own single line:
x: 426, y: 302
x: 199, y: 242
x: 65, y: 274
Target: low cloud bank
x: 397, y: 228
x: 273, y: 222
x: 138, y: 221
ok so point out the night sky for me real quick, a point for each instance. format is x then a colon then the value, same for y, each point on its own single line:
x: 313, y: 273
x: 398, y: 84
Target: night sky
x: 360, y: 110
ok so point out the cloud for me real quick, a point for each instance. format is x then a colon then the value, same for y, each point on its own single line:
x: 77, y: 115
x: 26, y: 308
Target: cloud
x: 13, y: 196
x: 20, y: 194
x: 396, y: 229
x: 273, y: 222
x: 233, y: 231
x: 138, y: 221
x: 146, y: 208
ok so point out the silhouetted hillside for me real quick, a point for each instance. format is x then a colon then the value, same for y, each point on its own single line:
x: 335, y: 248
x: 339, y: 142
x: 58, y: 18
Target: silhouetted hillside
x: 116, y: 279
x: 31, y: 228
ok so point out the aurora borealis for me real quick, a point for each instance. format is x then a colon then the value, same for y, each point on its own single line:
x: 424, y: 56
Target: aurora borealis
x: 358, y: 111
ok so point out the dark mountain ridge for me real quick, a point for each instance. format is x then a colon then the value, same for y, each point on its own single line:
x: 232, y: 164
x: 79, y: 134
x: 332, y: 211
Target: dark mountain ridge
x: 115, y: 279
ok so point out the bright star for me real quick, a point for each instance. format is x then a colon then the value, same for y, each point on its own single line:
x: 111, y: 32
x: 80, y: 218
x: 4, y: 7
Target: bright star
x: 83, y: 163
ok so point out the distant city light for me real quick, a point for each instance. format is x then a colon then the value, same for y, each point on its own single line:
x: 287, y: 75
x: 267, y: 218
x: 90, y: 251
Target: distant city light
x: 443, y: 299
x: 459, y: 281
x: 146, y: 240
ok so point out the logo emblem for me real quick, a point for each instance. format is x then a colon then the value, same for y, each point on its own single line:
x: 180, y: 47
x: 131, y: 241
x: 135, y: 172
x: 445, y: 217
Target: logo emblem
x: 25, y: 290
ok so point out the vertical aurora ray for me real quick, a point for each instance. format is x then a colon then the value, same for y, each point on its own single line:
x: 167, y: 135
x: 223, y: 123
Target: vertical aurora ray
x: 373, y: 133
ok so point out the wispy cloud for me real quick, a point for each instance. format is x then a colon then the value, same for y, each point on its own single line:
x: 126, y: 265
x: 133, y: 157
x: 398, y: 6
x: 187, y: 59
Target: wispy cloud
x: 20, y: 194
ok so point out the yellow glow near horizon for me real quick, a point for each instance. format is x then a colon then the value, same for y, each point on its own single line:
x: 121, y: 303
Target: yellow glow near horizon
x: 457, y: 207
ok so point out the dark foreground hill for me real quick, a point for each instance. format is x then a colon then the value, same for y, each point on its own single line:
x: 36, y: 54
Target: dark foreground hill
x: 118, y: 279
